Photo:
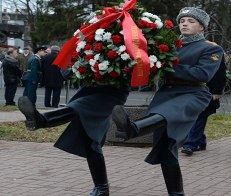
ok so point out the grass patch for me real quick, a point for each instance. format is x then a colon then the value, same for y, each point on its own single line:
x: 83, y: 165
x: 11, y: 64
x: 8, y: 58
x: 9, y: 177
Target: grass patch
x: 218, y: 126
x: 16, y: 131
x: 8, y: 108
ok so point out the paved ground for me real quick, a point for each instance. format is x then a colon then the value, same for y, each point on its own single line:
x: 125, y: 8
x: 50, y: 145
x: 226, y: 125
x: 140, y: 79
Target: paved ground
x: 39, y: 169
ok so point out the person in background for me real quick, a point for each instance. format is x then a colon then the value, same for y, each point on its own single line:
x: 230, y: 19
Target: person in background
x: 23, y: 58
x: 177, y: 103
x: 196, y: 140
x: 31, y: 77
x: 11, y: 74
x: 52, y: 79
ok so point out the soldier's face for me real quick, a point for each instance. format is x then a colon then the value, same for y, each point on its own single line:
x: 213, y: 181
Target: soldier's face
x: 190, y: 26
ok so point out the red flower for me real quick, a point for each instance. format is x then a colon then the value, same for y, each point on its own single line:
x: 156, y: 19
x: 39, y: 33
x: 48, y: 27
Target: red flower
x: 154, y: 68
x: 82, y: 70
x: 175, y: 62
x: 112, y: 54
x: 143, y: 24
x: 89, y: 57
x: 114, y: 74
x: 126, y: 70
x: 98, y: 47
x: 98, y: 75
x: 75, y: 55
x: 90, y: 38
x: 104, y: 26
x: 116, y: 39
x: 178, y: 43
x: 96, y: 67
x: 168, y: 24
x: 163, y: 48
x: 88, y: 47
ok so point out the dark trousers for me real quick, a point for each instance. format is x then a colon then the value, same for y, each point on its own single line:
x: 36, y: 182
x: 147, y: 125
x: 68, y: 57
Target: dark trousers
x: 55, y: 94
x: 10, y: 90
x: 30, y: 90
x: 196, y: 135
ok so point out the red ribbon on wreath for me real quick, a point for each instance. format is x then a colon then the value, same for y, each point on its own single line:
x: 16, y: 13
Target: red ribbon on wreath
x: 135, y: 42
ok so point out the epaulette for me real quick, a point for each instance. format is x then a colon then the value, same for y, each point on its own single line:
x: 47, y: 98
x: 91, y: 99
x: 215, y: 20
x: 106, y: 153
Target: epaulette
x: 211, y: 43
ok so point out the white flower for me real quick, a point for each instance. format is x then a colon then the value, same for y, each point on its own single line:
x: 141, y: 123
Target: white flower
x: 92, y: 62
x: 99, y: 32
x: 96, y: 57
x: 88, y: 52
x: 98, y: 38
x: 125, y: 56
x: 103, y: 66
x: 75, y: 71
x: 156, y: 17
x: 146, y: 19
x: 77, y: 31
x: 153, y: 60
x: 80, y: 45
x: 159, y: 24
x: 147, y: 14
x: 93, y: 20
x: 122, y: 48
x: 121, y: 32
x: 107, y: 36
x: 158, y: 64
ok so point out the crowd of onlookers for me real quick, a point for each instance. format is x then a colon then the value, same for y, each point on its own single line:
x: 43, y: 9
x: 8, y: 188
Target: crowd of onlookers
x: 20, y: 67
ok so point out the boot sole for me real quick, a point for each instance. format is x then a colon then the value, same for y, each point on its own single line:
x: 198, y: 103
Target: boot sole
x: 26, y: 107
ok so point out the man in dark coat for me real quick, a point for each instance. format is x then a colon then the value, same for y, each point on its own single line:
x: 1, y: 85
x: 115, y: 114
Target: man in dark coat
x: 12, y: 75
x: 31, y: 77
x: 52, y: 79
x: 178, y: 102
x: 196, y: 139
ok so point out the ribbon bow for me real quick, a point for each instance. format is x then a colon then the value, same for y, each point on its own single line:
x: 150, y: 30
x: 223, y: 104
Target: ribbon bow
x: 135, y: 42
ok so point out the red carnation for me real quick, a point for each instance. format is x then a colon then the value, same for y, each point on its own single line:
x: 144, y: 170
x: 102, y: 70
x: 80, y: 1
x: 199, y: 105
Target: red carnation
x: 91, y: 38
x: 98, y: 47
x: 112, y: 54
x: 116, y: 39
x: 168, y: 24
x: 178, y: 43
x: 163, y: 48
x: 126, y: 70
x: 175, y: 62
x: 96, y: 67
x: 143, y: 24
x: 104, y: 26
x: 152, y: 25
x: 82, y: 70
x: 89, y: 57
x: 154, y: 68
x: 114, y: 74
x: 98, y: 75
x: 75, y: 55
x: 88, y: 47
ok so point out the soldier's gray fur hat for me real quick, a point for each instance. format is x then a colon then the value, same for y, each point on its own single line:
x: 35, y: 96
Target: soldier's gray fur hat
x: 196, y: 13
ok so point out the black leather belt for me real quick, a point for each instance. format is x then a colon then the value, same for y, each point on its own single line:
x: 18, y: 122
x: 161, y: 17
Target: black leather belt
x: 179, y: 82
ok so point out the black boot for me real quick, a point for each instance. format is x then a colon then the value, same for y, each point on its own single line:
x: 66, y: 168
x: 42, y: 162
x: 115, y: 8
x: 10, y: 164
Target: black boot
x: 98, y: 171
x: 127, y: 129
x: 173, y: 179
x: 36, y: 120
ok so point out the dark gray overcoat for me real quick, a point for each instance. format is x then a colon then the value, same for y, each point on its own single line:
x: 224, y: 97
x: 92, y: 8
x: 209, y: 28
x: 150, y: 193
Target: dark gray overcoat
x: 93, y: 107
x: 181, y: 105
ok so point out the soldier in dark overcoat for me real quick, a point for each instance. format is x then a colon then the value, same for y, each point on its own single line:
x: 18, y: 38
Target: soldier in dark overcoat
x: 89, y: 111
x: 182, y: 96
x: 196, y: 140
x: 31, y: 77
